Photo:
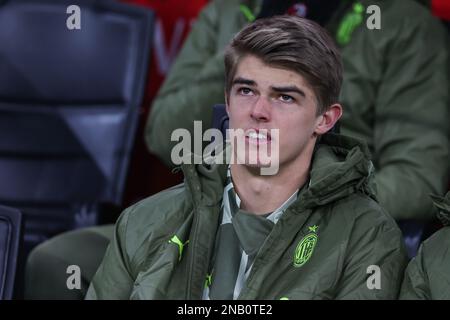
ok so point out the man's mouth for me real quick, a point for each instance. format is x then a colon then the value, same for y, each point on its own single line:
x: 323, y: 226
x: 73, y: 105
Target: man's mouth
x: 258, y: 136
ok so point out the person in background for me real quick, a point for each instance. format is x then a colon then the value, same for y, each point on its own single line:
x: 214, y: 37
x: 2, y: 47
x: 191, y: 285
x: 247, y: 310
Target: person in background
x: 428, y: 274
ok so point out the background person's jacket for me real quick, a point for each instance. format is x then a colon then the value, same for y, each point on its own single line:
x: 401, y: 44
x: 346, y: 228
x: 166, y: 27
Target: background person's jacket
x: 163, y: 245
x: 395, y: 93
x: 428, y: 274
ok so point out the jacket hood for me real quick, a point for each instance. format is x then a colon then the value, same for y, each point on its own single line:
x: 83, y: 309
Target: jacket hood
x: 340, y: 166
x: 443, y: 206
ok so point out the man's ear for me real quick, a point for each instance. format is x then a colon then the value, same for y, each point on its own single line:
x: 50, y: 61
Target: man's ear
x: 327, y: 120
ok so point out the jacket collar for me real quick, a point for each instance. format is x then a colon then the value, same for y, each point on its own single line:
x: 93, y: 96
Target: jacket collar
x: 340, y: 166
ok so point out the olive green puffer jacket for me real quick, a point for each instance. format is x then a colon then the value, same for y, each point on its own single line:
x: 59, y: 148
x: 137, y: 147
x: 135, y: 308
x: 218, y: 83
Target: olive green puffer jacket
x: 163, y: 245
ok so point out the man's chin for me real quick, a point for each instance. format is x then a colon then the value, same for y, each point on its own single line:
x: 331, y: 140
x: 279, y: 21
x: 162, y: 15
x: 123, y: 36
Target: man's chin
x: 255, y: 162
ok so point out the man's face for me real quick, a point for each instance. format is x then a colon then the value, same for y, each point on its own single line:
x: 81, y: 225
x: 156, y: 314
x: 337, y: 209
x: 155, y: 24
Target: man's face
x: 266, y: 97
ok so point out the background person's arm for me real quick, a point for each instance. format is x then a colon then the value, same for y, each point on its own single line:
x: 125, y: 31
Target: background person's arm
x: 412, y: 121
x: 194, y: 84
x: 415, y: 286
x: 396, y: 96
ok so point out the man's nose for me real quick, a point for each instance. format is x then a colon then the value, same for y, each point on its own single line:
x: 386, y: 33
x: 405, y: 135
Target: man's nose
x: 261, y: 110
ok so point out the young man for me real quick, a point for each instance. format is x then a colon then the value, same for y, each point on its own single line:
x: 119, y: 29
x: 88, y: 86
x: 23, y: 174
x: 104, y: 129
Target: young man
x: 311, y: 231
x: 427, y: 276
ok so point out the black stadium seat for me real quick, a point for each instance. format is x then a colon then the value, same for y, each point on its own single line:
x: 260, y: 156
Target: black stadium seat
x: 10, y: 232
x: 69, y: 101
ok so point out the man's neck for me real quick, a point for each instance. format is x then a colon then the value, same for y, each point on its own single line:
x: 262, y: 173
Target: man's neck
x: 261, y: 194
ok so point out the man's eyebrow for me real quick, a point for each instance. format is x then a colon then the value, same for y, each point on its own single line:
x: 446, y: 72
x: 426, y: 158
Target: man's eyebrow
x: 289, y: 89
x: 240, y: 80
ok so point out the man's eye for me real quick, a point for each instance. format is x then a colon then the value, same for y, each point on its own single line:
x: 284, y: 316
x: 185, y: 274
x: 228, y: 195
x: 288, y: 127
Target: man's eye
x: 286, y: 98
x: 245, y: 91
